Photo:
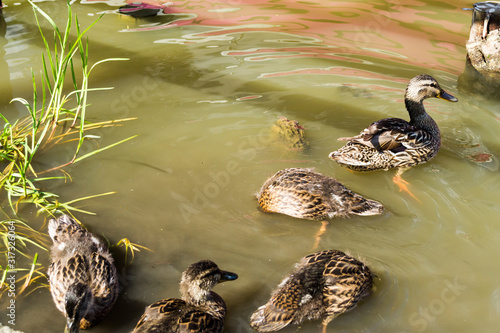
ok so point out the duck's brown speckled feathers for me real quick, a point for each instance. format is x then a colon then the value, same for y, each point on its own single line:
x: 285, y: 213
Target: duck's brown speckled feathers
x: 393, y: 142
x: 304, y: 193
x: 83, y: 280
x: 322, y: 285
x: 199, y: 310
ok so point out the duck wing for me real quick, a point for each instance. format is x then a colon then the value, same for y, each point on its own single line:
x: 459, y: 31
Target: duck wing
x: 63, y: 275
x: 104, y: 280
x: 347, y: 281
x: 161, y: 316
x: 298, y: 296
x: 198, y: 321
x: 280, y: 310
x: 392, y: 134
x: 104, y: 286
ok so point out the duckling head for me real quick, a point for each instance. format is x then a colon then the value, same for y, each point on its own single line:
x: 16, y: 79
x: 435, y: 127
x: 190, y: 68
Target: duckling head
x: 425, y: 86
x: 199, y: 278
x: 77, y: 300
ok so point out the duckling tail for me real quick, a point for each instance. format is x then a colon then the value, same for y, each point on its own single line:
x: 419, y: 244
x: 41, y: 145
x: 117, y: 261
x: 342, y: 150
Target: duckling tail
x: 265, y: 319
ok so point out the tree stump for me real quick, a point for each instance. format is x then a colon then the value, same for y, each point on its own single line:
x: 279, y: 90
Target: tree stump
x: 482, y: 69
x: 483, y: 46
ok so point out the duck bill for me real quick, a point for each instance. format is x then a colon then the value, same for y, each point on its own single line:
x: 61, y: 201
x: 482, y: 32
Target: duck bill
x: 72, y: 326
x: 227, y: 276
x: 447, y: 97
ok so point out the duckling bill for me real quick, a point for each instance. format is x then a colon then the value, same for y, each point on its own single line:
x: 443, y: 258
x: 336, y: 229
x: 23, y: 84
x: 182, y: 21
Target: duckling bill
x: 199, y: 309
x: 82, y: 274
x: 322, y: 285
x: 397, y: 143
x: 304, y: 193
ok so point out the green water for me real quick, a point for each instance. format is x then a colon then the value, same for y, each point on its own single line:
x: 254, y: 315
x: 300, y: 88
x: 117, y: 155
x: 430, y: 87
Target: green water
x: 207, y: 89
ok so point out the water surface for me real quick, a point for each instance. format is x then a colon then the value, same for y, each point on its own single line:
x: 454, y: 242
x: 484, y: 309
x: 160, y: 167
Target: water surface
x: 206, y: 80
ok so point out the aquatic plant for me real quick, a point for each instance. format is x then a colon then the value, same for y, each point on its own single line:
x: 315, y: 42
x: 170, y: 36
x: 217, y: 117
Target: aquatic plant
x: 16, y: 237
x: 51, y: 119
x: 55, y: 117
x: 129, y: 247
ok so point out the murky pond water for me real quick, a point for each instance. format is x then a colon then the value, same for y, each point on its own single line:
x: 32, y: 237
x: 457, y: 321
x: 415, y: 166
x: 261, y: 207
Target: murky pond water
x: 206, y: 80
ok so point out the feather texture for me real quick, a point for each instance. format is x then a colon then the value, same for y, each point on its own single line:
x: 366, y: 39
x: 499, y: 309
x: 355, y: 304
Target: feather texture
x: 393, y: 142
x: 82, y: 276
x: 322, y: 285
x: 199, y: 310
x: 304, y: 193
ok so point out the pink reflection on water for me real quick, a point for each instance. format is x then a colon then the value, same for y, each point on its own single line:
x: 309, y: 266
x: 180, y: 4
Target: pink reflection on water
x: 246, y: 98
x: 344, y: 71
x: 414, y: 33
x: 289, y: 52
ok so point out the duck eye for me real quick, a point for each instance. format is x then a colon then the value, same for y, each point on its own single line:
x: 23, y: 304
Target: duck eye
x: 207, y: 274
x: 433, y: 85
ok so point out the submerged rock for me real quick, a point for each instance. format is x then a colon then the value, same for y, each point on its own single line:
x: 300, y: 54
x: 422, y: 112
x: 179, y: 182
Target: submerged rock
x: 290, y: 133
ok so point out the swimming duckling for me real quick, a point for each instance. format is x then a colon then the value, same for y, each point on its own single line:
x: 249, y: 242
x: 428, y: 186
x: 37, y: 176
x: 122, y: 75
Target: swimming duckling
x: 304, y: 193
x: 82, y: 275
x: 322, y: 285
x: 396, y: 143
x: 199, y: 310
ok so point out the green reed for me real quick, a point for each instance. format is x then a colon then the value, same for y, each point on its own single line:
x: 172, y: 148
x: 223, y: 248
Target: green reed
x: 51, y: 120
x: 16, y: 237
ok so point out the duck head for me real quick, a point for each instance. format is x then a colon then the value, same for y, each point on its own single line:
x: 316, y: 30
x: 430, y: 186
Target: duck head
x: 425, y: 86
x: 77, y: 302
x: 199, y: 278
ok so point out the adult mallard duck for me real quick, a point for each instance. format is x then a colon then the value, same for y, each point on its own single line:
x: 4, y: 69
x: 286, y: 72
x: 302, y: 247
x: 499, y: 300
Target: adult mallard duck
x: 82, y: 275
x: 199, y: 310
x: 396, y: 143
x: 306, y: 194
x: 322, y: 285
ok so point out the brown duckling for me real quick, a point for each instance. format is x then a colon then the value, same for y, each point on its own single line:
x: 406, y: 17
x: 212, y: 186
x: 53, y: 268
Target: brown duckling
x: 199, y: 310
x: 397, y: 143
x: 304, y: 193
x: 322, y: 285
x: 82, y: 274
